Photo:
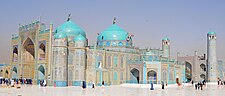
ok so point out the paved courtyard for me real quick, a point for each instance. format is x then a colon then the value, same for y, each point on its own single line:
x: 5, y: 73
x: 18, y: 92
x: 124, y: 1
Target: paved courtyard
x: 115, y: 90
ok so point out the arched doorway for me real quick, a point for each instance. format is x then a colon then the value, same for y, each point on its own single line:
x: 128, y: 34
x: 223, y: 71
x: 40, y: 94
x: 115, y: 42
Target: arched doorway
x: 6, y: 74
x: 203, y: 67
x: 15, y: 54
x: 152, y: 77
x: 14, y: 72
x: 164, y: 75
x: 203, y: 76
x: 188, y: 71
x: 28, y: 57
x: 41, y: 51
x: 134, y: 76
x: 41, y: 72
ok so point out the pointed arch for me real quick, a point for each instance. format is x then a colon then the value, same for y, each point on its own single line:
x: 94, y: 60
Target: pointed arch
x: 28, y: 45
x: 152, y: 76
x: 41, y: 69
x: 41, y: 72
x: 42, y: 47
x: 203, y: 76
x: 41, y: 51
x: 134, y: 75
x: 15, y: 54
x: 14, y: 69
x: 188, y: 71
x: 6, y: 72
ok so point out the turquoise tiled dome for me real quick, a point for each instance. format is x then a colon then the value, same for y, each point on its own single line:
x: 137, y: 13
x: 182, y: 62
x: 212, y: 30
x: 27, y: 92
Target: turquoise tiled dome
x: 70, y: 29
x: 113, y: 32
x: 80, y: 38
x: 59, y: 36
x: 211, y: 33
x: 165, y: 38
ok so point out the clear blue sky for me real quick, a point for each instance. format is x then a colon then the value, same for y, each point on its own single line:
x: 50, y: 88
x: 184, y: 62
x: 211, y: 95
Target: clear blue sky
x: 185, y: 22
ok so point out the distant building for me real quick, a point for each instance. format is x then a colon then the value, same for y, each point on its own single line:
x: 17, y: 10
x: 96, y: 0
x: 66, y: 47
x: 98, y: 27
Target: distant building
x: 195, y: 67
x: 201, y: 67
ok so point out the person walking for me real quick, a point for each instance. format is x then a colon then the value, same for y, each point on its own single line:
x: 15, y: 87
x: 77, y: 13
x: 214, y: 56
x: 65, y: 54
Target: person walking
x: 196, y: 86
x: 162, y: 85
x: 93, y: 84
x: 103, y: 83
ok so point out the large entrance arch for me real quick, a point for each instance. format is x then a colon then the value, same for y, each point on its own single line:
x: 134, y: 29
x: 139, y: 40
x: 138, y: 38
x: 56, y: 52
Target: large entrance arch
x: 152, y: 77
x: 134, y: 76
x: 28, y: 57
x: 188, y: 71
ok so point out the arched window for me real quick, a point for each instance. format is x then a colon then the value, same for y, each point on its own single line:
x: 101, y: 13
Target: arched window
x: 120, y: 44
x: 15, y: 70
x: 15, y: 54
x: 115, y: 61
x: 115, y: 76
x: 42, y: 51
x: 107, y: 44
x: 113, y: 43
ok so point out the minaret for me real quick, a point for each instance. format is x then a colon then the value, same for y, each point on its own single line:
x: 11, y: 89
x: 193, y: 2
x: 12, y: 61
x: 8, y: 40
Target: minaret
x: 50, y: 55
x: 166, y: 47
x: 211, y: 57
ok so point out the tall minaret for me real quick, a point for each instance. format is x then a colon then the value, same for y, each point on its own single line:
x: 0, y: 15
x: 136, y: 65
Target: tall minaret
x: 211, y: 56
x: 166, y: 47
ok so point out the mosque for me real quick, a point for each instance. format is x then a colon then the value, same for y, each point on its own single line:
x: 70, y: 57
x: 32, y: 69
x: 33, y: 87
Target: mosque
x: 63, y: 57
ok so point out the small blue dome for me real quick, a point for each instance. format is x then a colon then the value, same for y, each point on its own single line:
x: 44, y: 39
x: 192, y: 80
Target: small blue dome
x: 59, y: 36
x: 165, y: 38
x: 80, y: 38
x: 211, y: 33
x: 70, y: 29
x: 113, y: 32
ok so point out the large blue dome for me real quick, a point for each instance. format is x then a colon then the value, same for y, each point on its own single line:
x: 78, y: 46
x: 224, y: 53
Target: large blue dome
x: 70, y: 29
x: 80, y: 38
x: 60, y: 36
x: 113, y: 32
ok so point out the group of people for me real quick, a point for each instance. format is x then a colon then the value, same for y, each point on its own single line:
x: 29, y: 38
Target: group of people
x: 199, y: 85
x: 14, y: 81
x: 84, y: 85
x: 220, y: 82
x: 6, y: 81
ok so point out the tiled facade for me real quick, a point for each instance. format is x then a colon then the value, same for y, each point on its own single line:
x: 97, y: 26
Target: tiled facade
x: 64, y: 58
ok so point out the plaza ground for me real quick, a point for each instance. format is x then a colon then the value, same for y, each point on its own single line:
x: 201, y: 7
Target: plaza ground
x: 115, y: 90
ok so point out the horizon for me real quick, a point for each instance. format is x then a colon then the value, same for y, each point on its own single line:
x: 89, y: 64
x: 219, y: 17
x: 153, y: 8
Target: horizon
x: 149, y: 21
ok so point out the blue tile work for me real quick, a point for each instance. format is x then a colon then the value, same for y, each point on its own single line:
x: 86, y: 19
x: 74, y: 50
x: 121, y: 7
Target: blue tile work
x: 76, y: 83
x: 60, y: 83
